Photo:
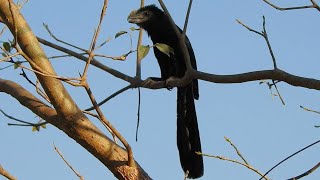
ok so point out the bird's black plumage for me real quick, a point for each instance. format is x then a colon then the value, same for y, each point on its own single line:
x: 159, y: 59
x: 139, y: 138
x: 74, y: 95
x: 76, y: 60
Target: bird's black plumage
x: 160, y: 30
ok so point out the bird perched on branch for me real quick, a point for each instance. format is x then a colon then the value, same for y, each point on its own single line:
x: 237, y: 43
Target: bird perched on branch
x: 157, y: 24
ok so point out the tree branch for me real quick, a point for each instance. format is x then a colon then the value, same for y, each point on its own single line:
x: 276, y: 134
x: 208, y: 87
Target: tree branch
x: 67, y: 116
x: 306, y: 173
x: 287, y: 8
x: 277, y: 75
x: 68, y: 164
x: 6, y: 174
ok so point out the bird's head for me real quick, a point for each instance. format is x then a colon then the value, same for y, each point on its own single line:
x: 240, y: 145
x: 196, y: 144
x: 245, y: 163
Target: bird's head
x: 147, y: 16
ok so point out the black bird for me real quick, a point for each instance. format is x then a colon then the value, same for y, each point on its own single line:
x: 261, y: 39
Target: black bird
x: 157, y: 24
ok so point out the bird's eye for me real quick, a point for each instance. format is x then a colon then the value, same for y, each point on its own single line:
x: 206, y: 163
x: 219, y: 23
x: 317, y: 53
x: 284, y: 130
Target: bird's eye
x: 146, y: 13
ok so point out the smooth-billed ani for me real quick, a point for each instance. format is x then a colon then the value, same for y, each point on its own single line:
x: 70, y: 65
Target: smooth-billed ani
x: 159, y: 28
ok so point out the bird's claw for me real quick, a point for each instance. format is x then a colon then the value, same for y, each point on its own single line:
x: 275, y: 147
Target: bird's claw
x: 168, y: 82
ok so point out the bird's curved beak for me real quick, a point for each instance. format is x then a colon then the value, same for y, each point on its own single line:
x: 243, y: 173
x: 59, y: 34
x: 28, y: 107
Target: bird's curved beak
x: 134, y: 17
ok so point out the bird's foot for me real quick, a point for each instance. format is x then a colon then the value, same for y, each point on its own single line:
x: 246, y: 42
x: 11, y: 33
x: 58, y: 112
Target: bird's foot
x: 169, y: 82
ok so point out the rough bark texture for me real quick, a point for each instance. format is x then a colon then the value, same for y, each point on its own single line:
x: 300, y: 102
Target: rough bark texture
x: 65, y: 115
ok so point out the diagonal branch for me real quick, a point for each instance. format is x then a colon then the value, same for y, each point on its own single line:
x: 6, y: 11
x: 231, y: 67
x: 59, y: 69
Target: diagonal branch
x: 306, y: 173
x: 68, y: 164
x: 6, y: 174
x: 66, y: 115
x: 265, y: 36
x: 289, y: 158
x: 288, y: 8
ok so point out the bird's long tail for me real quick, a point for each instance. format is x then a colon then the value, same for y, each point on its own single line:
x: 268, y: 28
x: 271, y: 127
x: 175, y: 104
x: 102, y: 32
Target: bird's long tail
x: 188, y: 138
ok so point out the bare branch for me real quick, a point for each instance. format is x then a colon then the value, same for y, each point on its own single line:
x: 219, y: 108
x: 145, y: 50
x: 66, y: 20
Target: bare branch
x: 307, y: 109
x: 306, y: 173
x: 278, y: 92
x: 6, y: 174
x: 9, y: 57
x: 77, y: 174
x: 93, y: 61
x: 138, y: 113
x: 290, y: 157
x: 234, y: 161
x: 277, y: 75
x: 288, y: 8
x: 236, y: 149
x: 67, y: 115
x: 187, y: 18
x: 61, y: 41
x: 315, y: 5
x: 265, y: 36
x: 24, y: 123
x: 110, y: 97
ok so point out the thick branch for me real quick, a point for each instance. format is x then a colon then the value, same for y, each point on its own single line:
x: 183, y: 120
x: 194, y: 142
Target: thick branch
x: 66, y: 116
x: 276, y: 74
x: 28, y: 43
x: 6, y: 174
x: 28, y: 100
x: 81, y: 130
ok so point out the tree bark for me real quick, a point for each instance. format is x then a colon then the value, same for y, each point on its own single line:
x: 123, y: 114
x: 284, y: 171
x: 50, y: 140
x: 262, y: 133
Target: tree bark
x: 65, y: 115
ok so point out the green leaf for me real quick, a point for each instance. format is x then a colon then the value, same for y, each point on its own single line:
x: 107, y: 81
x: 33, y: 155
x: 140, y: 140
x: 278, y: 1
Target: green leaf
x: 35, y: 128
x: 44, y: 126
x: 143, y: 51
x: 120, y: 33
x: 4, y: 54
x: 6, y: 46
x: 164, y: 48
x: 16, y: 65
x: 133, y: 29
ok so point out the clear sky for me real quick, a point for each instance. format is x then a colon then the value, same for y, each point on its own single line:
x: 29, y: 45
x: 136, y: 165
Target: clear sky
x: 263, y: 129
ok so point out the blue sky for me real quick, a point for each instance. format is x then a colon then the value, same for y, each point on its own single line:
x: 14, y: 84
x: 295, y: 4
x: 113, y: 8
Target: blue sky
x: 263, y: 129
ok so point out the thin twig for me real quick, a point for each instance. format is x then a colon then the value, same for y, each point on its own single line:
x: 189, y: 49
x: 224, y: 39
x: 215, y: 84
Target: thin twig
x: 306, y: 173
x: 91, y: 114
x: 234, y: 161
x: 289, y: 157
x: 93, y: 61
x: 113, y: 130
x: 94, y: 40
x: 275, y: 86
x: 59, y: 40
x: 110, y: 97
x: 38, y: 90
x: 85, y: 84
x: 288, y: 8
x: 138, y: 114
x: 77, y: 174
x: 65, y: 79
x: 310, y: 110
x: 265, y: 36
x: 25, y: 123
x: 315, y: 5
x: 236, y: 149
x: 187, y: 18
x: 9, y: 57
